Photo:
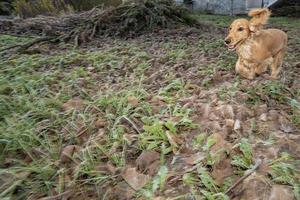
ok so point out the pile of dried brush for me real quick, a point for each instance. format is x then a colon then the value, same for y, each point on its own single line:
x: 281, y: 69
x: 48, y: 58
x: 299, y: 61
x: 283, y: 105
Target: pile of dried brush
x: 129, y: 19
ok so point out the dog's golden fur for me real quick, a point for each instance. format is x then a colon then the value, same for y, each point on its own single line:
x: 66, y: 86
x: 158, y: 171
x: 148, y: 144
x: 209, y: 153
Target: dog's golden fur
x: 257, y: 48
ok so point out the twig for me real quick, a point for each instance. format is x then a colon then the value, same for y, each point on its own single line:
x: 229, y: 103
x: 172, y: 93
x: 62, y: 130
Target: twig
x: 290, y: 91
x: 132, y: 124
x: 248, y: 173
x: 82, y: 131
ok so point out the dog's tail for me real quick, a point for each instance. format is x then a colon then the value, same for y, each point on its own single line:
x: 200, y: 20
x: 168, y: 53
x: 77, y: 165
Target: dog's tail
x: 260, y: 16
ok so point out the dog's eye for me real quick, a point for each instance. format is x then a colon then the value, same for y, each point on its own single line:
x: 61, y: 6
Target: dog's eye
x: 241, y: 29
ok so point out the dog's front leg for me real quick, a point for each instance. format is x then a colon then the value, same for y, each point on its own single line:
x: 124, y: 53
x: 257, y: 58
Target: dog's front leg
x: 261, y: 68
x: 244, y: 70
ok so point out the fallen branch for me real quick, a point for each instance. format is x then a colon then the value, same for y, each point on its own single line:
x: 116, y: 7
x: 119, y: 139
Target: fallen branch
x: 37, y: 41
x: 247, y: 173
x: 11, y: 47
x: 18, y: 35
x: 24, y: 47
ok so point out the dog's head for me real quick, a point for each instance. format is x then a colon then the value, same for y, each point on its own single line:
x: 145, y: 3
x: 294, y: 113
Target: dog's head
x: 239, y: 31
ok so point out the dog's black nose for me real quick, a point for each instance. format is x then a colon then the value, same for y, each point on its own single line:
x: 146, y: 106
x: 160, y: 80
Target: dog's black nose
x: 227, y: 41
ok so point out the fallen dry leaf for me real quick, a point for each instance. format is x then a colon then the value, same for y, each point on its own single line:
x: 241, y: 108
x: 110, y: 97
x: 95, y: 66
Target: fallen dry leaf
x: 133, y: 101
x: 229, y: 123
x: 75, y: 103
x: 260, y: 109
x: 222, y: 170
x: 225, y: 111
x: 67, y: 153
x: 146, y: 159
x: 213, y: 116
x: 135, y: 179
x: 220, y: 146
x: 255, y: 187
x: 273, y: 115
x: 281, y: 192
x: 100, y: 123
x: 244, y: 113
x: 211, y: 126
x: 204, y: 110
x: 287, y: 127
x: 130, y: 138
x: 195, y: 158
x: 122, y: 191
x: 173, y: 139
x: 106, y: 168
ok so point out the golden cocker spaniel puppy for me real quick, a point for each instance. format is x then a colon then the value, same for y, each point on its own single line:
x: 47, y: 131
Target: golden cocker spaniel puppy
x: 257, y: 48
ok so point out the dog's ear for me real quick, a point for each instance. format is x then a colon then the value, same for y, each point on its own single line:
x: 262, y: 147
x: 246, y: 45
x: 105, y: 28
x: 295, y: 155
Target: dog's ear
x: 260, y: 15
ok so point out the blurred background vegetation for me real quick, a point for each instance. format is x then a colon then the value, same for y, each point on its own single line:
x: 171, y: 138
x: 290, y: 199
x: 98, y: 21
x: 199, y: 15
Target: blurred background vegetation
x: 5, y: 7
x: 32, y: 8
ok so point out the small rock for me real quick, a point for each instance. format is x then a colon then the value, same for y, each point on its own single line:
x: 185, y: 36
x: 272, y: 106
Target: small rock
x: 263, y: 117
x: 90, y: 68
x: 237, y: 125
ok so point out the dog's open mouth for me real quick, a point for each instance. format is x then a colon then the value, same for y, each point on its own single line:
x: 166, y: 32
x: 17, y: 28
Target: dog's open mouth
x: 232, y: 47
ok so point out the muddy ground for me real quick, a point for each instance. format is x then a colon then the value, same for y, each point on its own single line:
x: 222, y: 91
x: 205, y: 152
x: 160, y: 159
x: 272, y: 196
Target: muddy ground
x: 160, y: 116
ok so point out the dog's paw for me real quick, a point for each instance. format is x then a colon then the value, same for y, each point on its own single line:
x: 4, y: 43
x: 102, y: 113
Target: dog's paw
x: 266, y: 76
